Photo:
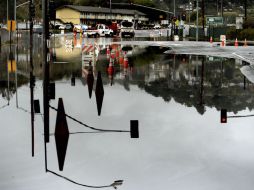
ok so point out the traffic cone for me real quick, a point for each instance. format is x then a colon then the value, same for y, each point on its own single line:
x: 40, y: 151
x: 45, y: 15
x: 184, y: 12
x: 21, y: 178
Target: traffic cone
x: 245, y: 43
x: 211, y: 39
x: 236, y: 43
x: 126, y: 62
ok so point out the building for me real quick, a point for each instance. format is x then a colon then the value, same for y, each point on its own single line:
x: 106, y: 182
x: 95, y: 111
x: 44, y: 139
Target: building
x: 92, y: 15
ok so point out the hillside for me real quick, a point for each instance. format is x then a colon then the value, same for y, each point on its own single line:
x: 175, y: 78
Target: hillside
x: 210, y: 5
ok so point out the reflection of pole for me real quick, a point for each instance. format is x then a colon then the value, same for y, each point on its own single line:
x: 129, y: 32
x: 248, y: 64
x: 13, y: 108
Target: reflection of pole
x: 221, y: 71
x: 202, y: 83
x: 244, y: 82
x: 31, y: 78
x: 17, y: 57
x: 45, y: 78
x: 174, y: 69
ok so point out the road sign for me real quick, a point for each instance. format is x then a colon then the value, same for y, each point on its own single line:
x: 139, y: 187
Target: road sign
x: 214, y: 20
x: 239, y: 22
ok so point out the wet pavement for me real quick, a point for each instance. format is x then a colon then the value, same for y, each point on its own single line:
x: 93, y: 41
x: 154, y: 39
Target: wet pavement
x: 176, y: 99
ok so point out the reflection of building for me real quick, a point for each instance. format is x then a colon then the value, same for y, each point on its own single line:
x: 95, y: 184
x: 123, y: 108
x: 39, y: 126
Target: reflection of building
x: 92, y: 15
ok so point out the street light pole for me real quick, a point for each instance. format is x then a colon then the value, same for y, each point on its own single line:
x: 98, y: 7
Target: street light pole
x: 197, y: 23
x: 174, y: 7
x: 221, y: 8
x: 110, y: 10
x: 245, y: 10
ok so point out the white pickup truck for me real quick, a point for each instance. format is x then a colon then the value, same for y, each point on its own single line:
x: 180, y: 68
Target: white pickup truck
x: 99, y: 30
x: 127, y: 29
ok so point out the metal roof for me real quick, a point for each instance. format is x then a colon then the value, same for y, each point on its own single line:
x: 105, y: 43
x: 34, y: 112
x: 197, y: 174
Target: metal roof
x: 91, y: 9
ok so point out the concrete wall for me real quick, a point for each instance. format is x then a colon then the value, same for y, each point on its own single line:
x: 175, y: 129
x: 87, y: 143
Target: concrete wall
x: 68, y: 15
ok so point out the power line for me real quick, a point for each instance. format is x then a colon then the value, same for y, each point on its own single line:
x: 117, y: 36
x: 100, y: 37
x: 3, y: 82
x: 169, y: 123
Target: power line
x: 85, y: 125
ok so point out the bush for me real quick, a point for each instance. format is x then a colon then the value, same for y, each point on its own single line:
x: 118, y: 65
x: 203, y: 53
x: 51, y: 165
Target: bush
x: 249, y: 23
x: 242, y: 34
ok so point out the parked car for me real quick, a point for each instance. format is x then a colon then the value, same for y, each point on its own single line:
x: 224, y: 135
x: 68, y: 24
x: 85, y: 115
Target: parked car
x: 38, y: 29
x: 66, y: 26
x: 62, y: 27
x: 80, y: 27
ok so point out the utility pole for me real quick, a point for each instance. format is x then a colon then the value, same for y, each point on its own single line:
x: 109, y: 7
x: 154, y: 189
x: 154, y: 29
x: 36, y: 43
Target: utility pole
x: 245, y: 10
x: 221, y: 8
x: 189, y: 11
x: 110, y: 7
x: 174, y: 7
x: 197, y: 23
x: 203, y: 15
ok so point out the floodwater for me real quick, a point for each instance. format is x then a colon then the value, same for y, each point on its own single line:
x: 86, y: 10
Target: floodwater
x: 175, y: 98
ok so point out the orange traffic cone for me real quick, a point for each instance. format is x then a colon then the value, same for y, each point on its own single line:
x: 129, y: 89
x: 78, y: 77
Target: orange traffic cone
x: 211, y: 39
x: 126, y: 62
x: 245, y: 43
x: 236, y: 43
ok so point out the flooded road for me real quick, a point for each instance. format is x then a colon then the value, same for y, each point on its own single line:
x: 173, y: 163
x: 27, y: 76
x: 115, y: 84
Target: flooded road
x: 175, y: 98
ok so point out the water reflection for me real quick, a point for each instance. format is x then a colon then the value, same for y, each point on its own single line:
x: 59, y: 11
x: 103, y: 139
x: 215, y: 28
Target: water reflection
x: 194, y: 81
x: 135, y: 80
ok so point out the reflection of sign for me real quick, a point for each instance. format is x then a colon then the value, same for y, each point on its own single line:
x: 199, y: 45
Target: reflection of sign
x: 88, y: 48
x: 239, y: 22
x: 89, y: 54
x: 12, y: 66
x: 68, y: 45
x: 214, y: 20
x: 61, y: 134
x: 11, y: 25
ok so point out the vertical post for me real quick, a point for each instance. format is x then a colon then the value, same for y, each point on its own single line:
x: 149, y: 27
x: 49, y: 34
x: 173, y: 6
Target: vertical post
x: 221, y: 8
x: 45, y: 78
x: 217, y: 5
x: 15, y: 7
x: 197, y: 23
x: 245, y: 10
x: 110, y: 10
x: 189, y: 13
x: 203, y: 15
x: 202, y: 82
x: 174, y: 7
